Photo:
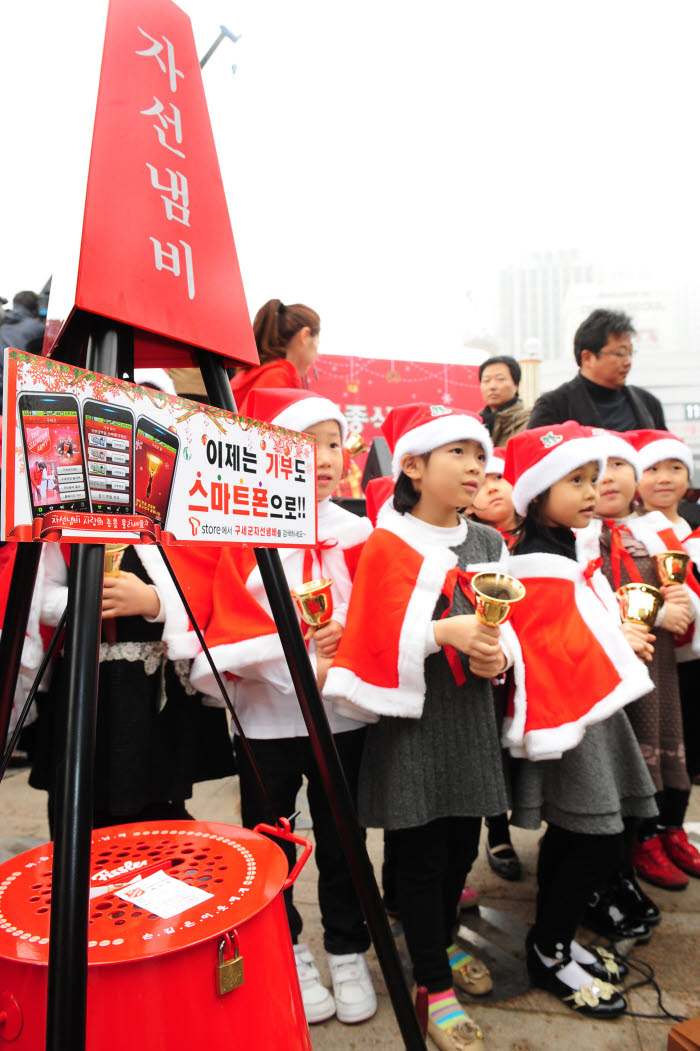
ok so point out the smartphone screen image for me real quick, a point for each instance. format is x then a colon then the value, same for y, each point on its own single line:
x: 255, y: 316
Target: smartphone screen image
x: 109, y: 446
x: 53, y: 450
x: 154, y: 462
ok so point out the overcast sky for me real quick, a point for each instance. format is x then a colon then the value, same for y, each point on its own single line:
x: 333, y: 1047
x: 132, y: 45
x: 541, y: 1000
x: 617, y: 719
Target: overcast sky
x: 382, y: 158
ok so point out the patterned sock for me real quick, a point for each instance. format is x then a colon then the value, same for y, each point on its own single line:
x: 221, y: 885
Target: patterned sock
x: 457, y: 956
x: 444, y: 1010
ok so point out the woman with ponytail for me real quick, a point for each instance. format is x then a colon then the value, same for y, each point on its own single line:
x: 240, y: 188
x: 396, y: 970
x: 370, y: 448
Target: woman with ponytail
x: 287, y: 342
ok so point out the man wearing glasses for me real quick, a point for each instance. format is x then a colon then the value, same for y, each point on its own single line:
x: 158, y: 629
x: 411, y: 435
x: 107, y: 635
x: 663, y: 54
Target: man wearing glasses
x: 599, y: 396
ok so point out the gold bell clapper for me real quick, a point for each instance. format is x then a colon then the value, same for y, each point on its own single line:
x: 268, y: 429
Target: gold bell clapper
x: 496, y: 594
x: 113, y: 558
x: 672, y: 567
x: 315, y: 602
x: 639, y: 603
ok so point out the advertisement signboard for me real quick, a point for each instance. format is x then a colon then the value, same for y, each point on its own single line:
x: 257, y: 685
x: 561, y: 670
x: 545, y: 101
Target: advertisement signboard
x: 90, y: 458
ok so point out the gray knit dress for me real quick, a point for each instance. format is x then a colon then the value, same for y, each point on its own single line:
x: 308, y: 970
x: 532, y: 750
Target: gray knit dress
x: 448, y: 762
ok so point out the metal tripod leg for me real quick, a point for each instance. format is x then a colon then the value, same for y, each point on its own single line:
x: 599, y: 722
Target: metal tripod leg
x: 67, y: 981
x: 66, y: 1013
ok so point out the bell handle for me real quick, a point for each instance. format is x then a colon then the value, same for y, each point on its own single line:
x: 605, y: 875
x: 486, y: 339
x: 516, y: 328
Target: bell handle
x: 283, y: 830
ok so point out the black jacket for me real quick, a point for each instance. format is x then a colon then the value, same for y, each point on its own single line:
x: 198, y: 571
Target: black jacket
x: 571, y: 401
x: 19, y: 328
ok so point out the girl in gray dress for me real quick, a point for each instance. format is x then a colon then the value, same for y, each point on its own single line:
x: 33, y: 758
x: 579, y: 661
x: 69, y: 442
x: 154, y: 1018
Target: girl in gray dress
x: 600, y: 776
x: 415, y: 657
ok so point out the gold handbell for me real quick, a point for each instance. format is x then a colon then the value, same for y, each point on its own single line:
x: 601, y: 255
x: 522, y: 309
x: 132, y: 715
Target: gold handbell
x: 639, y: 603
x: 113, y: 558
x: 315, y: 602
x: 496, y: 593
x: 672, y: 567
x: 355, y: 444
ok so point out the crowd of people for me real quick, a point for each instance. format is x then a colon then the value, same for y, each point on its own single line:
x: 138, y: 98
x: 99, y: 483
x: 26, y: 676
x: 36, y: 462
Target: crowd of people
x: 566, y: 714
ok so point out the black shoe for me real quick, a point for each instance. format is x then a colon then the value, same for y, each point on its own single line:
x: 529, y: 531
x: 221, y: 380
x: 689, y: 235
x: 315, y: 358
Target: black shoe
x: 633, y: 901
x: 504, y: 861
x: 605, y: 917
x: 607, y: 967
x: 597, y: 1000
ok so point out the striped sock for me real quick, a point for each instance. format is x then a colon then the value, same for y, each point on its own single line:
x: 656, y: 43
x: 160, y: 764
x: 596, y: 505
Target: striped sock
x: 457, y: 957
x: 444, y: 1010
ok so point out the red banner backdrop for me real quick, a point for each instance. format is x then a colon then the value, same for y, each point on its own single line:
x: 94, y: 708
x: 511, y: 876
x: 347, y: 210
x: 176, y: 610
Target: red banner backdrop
x: 366, y: 388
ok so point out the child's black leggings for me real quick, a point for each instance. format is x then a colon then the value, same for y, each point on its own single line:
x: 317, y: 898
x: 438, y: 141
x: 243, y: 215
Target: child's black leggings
x: 572, y: 867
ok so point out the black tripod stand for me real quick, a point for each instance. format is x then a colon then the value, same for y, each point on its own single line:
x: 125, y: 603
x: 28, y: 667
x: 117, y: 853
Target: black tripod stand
x: 110, y: 351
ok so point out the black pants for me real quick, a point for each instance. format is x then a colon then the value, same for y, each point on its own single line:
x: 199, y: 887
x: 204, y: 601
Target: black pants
x: 572, y: 867
x: 672, y: 804
x: 431, y: 864
x: 282, y: 763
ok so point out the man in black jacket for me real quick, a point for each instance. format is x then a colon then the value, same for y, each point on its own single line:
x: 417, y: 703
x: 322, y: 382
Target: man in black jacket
x: 599, y: 396
x: 21, y: 326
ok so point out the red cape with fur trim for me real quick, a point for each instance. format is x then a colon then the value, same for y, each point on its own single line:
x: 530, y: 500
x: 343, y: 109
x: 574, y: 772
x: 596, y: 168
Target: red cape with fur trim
x: 380, y: 665
x: 241, y: 634
x: 373, y: 657
x: 579, y: 668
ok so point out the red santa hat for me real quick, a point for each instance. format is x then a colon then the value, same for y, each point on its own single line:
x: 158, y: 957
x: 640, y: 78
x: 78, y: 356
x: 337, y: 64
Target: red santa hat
x: 538, y: 458
x: 420, y: 428
x: 618, y: 446
x: 378, y: 493
x: 653, y: 446
x: 295, y: 410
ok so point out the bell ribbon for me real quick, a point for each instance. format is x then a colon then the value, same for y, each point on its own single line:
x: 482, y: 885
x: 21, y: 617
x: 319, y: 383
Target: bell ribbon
x: 308, y: 566
x: 618, y: 552
x: 462, y: 579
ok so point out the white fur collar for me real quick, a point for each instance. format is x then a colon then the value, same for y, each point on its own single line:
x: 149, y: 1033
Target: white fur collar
x: 335, y: 523
x: 424, y: 538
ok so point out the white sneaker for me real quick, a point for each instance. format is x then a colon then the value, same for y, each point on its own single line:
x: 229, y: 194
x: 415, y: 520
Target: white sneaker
x: 355, y: 999
x: 319, y: 1005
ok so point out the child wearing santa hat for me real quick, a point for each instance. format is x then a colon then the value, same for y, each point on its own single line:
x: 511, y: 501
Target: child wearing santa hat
x: 244, y: 643
x: 431, y: 768
x: 580, y: 671
x: 666, y: 857
x: 493, y: 504
x: 655, y: 717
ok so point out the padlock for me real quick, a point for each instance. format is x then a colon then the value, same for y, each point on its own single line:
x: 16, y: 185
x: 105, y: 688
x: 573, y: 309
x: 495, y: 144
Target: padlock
x: 229, y: 973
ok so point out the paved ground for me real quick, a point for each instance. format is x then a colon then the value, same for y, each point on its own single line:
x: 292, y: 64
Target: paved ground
x: 526, y: 1021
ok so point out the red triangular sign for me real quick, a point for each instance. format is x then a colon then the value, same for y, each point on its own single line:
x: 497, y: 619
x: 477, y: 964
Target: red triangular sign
x: 157, y: 250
